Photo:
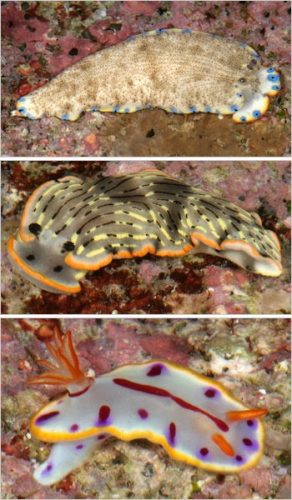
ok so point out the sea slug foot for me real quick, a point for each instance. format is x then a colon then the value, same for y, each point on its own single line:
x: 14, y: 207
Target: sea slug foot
x: 63, y: 459
x: 252, y: 110
x: 25, y: 107
x: 268, y: 267
x: 69, y: 117
x: 270, y: 83
x: 17, y: 113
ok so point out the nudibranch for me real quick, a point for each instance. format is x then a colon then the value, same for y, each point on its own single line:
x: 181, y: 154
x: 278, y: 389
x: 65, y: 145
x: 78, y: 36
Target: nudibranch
x: 193, y: 417
x: 72, y: 226
x: 177, y: 70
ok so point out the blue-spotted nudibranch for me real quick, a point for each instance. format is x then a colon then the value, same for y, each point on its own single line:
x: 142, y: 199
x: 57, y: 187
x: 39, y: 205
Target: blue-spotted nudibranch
x: 193, y: 417
x: 72, y: 226
x: 178, y: 70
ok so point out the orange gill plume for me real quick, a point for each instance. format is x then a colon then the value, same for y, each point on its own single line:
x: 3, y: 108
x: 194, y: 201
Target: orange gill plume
x: 66, y: 369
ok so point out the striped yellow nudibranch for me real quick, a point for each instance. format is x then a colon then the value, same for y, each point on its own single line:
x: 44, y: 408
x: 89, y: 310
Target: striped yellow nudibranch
x: 72, y: 226
x: 193, y: 417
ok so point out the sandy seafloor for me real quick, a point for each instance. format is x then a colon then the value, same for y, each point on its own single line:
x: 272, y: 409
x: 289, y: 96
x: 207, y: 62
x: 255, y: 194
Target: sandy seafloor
x: 42, y: 38
x: 251, y: 358
x: 191, y: 284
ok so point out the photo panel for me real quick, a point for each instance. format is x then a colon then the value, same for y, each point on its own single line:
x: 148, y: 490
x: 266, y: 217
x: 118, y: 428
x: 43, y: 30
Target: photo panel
x: 146, y: 78
x: 146, y: 237
x: 129, y: 408
x: 146, y: 285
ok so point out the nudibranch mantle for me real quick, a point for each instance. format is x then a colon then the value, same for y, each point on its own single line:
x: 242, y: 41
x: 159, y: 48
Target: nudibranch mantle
x: 178, y: 70
x: 193, y: 417
x: 72, y: 226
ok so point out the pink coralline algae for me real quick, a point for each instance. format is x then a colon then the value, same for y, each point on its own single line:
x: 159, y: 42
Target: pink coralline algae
x: 20, y: 29
x: 42, y: 38
x: 106, y: 344
x: 145, y: 8
x: 66, y: 51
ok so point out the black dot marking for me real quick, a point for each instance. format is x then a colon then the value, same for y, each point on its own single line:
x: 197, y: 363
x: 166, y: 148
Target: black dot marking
x: 150, y: 133
x: 252, y: 64
x: 68, y: 246
x: 242, y: 80
x: 30, y: 257
x: 34, y: 228
x: 73, y: 52
x: 58, y: 269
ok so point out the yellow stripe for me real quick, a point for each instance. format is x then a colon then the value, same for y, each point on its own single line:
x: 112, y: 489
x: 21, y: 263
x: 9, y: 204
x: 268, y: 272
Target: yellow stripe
x: 134, y: 215
x: 222, y: 224
x: 95, y: 252
x: 80, y: 249
x: 166, y: 234
x: 141, y: 237
x: 41, y: 218
x: 153, y: 215
x: 118, y: 245
x: 213, y: 229
x: 99, y: 237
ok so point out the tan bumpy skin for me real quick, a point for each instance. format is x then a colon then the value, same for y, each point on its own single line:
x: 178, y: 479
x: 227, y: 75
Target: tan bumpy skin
x: 177, y: 70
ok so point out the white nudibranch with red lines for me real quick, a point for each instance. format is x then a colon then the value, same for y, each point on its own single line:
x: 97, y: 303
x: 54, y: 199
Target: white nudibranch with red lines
x: 72, y: 226
x: 193, y: 417
x: 177, y: 70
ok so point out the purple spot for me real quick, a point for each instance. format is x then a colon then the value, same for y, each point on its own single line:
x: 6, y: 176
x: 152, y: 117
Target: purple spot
x: 74, y: 427
x: 171, y: 433
x: 155, y: 370
x: 101, y: 436
x: 252, y: 424
x: 103, y: 415
x: 79, y: 446
x: 247, y: 442
x: 238, y: 458
x: 252, y: 444
x: 142, y: 413
x: 204, y: 451
x: 47, y: 470
x: 210, y: 393
x: 47, y: 416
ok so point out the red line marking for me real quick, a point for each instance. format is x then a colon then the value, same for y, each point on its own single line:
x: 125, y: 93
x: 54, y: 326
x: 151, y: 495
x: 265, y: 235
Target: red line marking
x: 157, y: 391
x: 75, y: 394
